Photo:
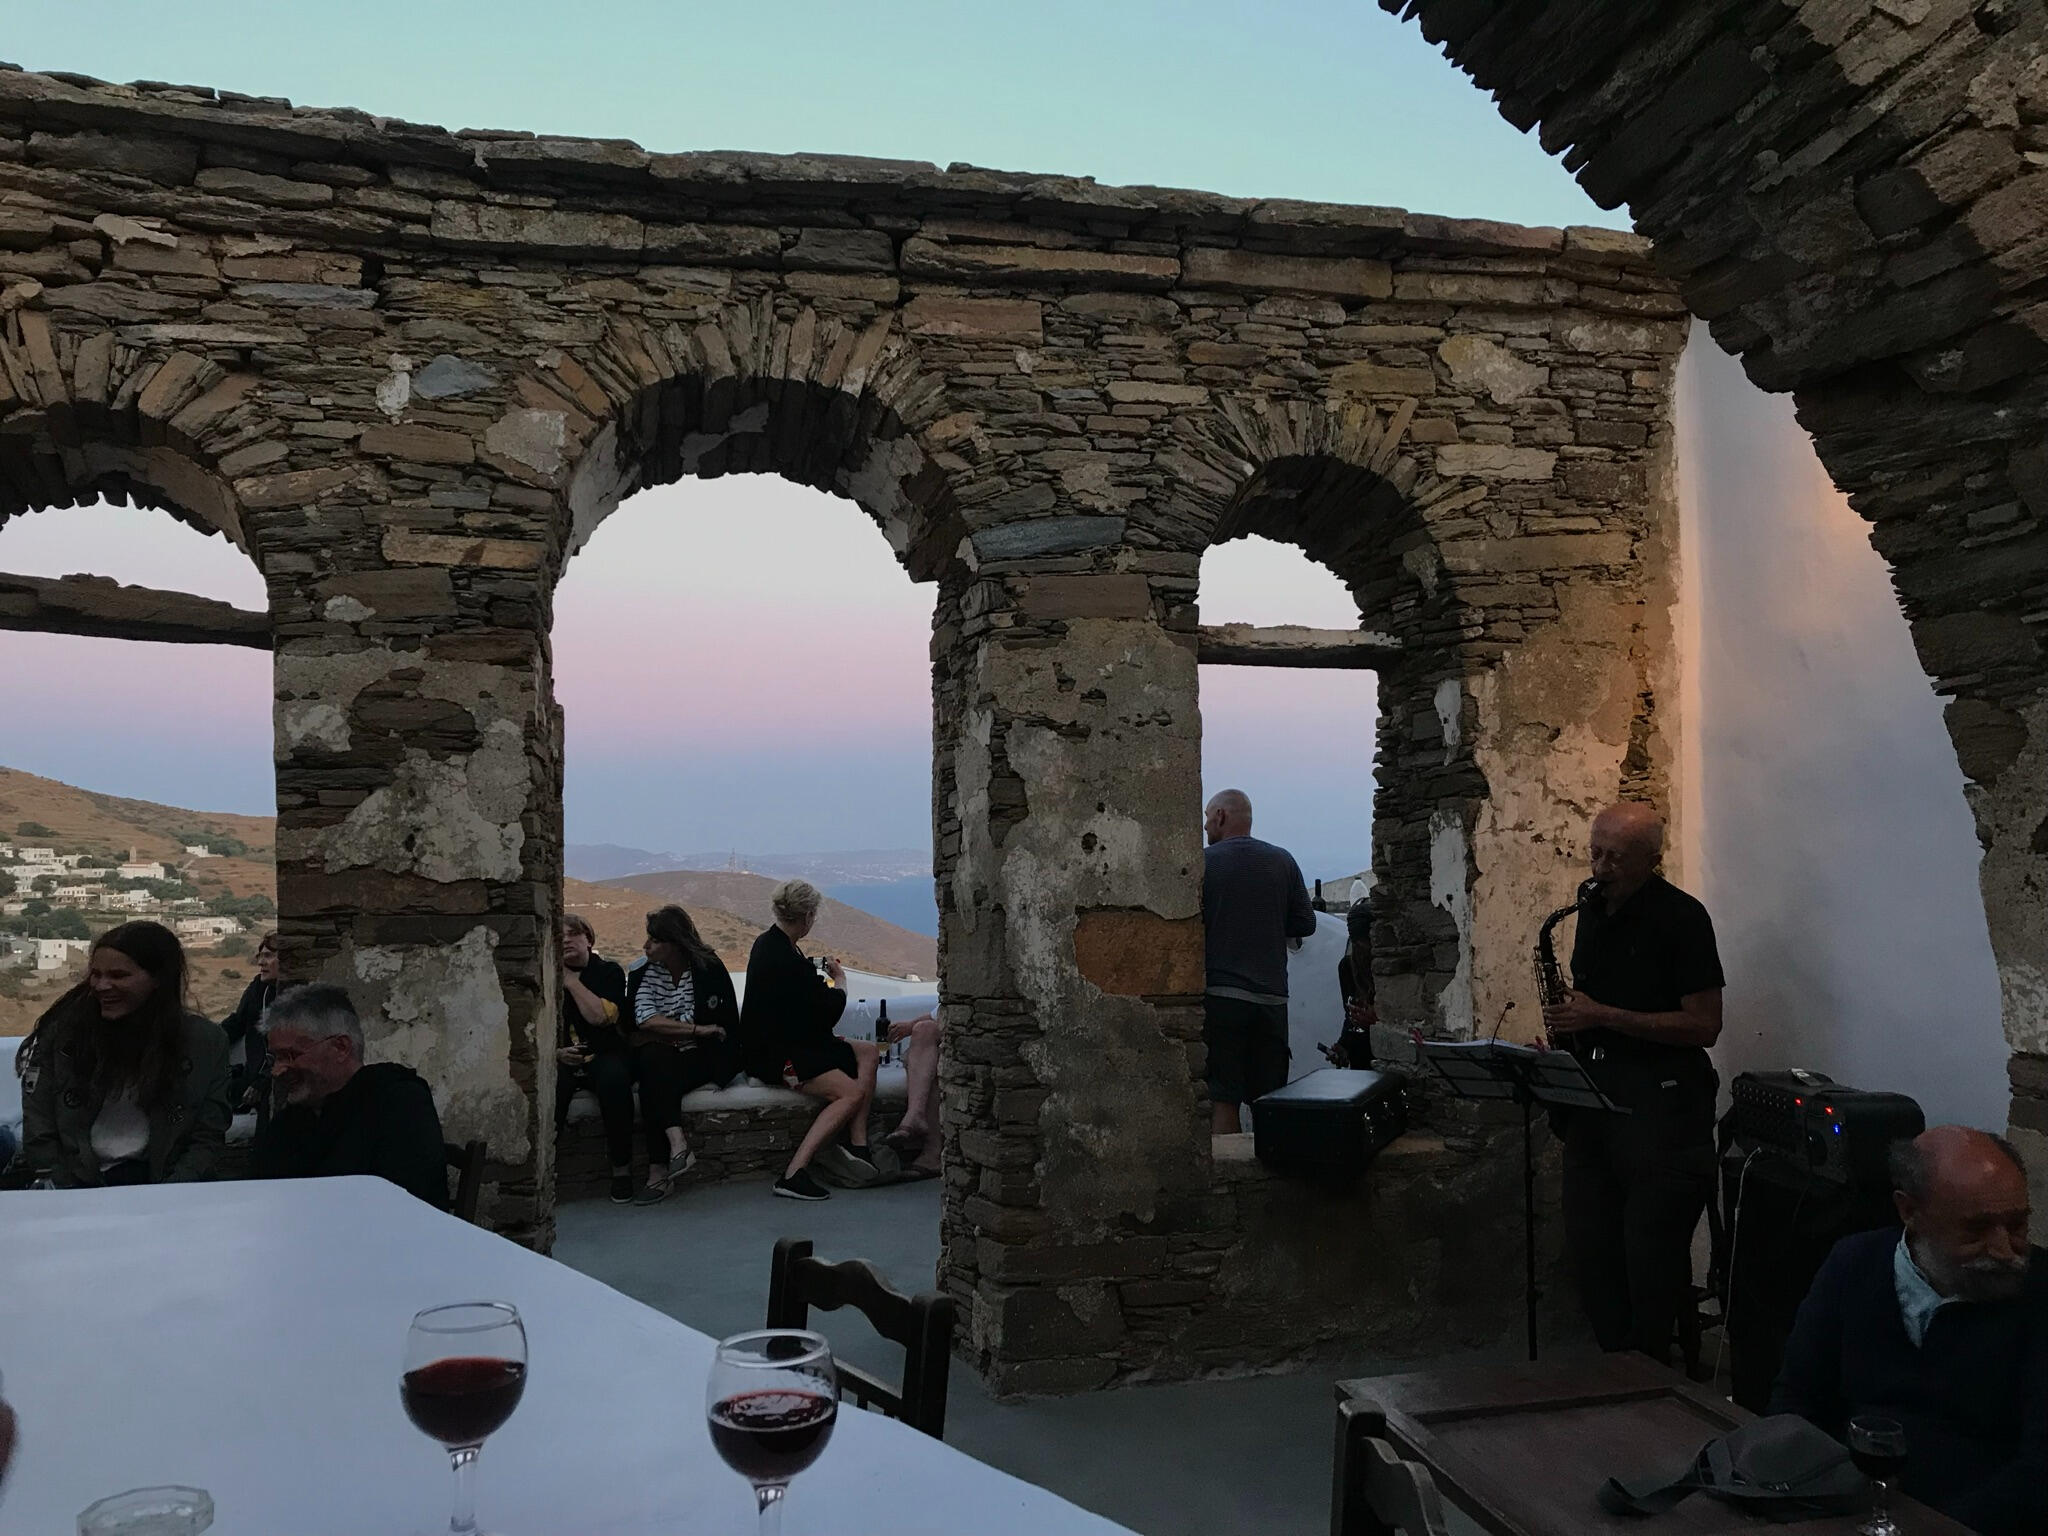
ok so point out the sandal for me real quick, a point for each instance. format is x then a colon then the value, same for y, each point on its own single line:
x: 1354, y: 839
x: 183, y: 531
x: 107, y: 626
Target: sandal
x: 905, y: 1145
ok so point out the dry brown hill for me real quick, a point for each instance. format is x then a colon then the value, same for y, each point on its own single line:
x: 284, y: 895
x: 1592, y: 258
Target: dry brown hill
x: 856, y: 937
x: 83, y: 821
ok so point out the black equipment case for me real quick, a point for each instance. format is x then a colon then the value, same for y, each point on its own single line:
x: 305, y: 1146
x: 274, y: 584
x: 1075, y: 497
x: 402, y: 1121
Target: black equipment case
x: 1328, y: 1125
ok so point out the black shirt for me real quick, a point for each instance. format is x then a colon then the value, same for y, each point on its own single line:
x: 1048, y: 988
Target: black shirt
x: 1655, y: 951
x: 605, y: 979
x: 788, y: 1006
x: 1253, y: 902
x: 381, y: 1121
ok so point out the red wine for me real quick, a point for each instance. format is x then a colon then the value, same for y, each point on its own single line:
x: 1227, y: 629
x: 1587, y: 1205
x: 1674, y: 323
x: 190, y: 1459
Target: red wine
x: 769, y: 1437
x: 463, y: 1401
x: 1885, y: 1467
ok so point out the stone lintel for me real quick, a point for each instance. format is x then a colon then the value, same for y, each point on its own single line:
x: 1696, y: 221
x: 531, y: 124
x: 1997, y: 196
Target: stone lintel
x: 1293, y: 645
x: 101, y: 606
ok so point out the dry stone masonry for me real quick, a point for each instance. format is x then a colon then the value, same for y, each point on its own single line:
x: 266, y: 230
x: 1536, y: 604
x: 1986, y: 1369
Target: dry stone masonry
x: 1854, y: 193
x: 409, y: 371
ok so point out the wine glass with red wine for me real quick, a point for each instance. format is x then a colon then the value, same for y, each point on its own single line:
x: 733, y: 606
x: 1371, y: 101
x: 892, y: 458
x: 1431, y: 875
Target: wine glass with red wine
x: 1878, y: 1447
x: 465, y: 1368
x: 771, y: 1403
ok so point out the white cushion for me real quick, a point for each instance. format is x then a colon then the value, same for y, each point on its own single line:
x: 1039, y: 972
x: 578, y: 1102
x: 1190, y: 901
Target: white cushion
x: 891, y: 1084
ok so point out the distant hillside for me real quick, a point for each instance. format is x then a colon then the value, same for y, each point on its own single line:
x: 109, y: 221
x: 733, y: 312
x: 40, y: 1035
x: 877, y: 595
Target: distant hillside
x: 854, y: 936
x: 39, y: 812
x: 84, y: 821
x: 618, y: 911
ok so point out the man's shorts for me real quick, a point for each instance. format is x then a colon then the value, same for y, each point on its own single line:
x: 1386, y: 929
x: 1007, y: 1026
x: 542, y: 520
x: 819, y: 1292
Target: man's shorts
x: 1247, y: 1048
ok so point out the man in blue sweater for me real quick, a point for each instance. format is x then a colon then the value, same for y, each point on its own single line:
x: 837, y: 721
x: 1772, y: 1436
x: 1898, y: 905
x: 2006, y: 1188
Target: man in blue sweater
x: 1944, y: 1328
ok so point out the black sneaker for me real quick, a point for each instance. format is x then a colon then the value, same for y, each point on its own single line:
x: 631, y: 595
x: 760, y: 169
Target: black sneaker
x: 622, y: 1189
x: 652, y: 1194
x: 801, y: 1186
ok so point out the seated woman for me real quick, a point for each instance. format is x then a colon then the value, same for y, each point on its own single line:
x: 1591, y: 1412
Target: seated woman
x: 121, y: 1084
x: 789, y: 1017
x: 680, y: 1011
x: 249, y: 1077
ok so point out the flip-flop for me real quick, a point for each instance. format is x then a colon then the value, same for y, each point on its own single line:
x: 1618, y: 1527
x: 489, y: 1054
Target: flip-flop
x: 912, y: 1173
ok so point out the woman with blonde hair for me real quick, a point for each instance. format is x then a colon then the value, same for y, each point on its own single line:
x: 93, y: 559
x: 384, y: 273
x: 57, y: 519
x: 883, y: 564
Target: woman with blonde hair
x: 788, y: 1017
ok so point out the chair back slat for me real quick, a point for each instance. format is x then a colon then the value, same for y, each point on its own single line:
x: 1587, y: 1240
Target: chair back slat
x: 1375, y: 1492
x: 923, y: 1325
x: 468, y: 1161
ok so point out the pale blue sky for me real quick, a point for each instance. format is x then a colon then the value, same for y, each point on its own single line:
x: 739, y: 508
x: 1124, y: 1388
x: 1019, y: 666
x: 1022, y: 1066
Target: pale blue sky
x: 1323, y: 99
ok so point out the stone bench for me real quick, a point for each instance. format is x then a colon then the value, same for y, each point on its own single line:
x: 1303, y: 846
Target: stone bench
x: 742, y: 1131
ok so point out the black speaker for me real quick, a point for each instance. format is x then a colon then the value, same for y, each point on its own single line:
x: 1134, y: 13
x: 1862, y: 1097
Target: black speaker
x: 1785, y: 1217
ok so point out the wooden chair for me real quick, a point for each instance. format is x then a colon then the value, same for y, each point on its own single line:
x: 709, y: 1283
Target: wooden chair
x: 923, y: 1325
x: 467, y: 1160
x: 1376, y: 1493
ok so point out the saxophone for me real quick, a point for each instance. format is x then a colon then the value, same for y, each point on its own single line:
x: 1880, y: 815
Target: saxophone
x: 1550, y: 983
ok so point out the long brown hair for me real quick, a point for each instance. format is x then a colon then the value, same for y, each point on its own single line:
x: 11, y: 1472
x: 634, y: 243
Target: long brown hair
x: 142, y: 1053
x: 672, y: 925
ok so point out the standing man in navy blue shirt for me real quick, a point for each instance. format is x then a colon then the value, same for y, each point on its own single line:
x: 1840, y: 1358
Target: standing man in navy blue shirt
x: 1253, y: 902
x: 1943, y: 1328
x: 1644, y: 1006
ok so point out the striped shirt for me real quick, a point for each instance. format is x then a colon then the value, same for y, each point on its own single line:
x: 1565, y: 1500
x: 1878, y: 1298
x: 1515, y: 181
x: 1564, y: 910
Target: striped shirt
x: 672, y: 997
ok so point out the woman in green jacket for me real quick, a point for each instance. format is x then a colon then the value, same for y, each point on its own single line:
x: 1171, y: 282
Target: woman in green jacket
x: 120, y: 1083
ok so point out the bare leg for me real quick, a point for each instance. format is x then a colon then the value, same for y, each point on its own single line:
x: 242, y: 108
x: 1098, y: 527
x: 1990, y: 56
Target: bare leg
x: 1223, y: 1120
x: 868, y: 1057
x: 843, y: 1101
x: 921, y: 1065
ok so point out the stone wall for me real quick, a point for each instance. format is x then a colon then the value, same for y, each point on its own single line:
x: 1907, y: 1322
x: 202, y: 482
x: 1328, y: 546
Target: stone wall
x: 1854, y: 195
x: 409, y: 371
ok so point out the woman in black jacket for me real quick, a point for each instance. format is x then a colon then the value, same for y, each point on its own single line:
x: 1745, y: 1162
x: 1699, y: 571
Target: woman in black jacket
x: 249, y: 1078
x: 789, y: 1017
x: 121, y: 1083
x: 679, y: 1015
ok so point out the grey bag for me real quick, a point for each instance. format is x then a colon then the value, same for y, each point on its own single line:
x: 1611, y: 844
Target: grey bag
x: 839, y: 1168
x: 1782, y: 1467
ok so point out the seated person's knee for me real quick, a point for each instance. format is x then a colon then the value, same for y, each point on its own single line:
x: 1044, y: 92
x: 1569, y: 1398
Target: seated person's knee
x: 925, y: 1031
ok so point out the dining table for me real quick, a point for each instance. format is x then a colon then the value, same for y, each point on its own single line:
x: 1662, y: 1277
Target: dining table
x: 247, y: 1338
x: 1522, y: 1449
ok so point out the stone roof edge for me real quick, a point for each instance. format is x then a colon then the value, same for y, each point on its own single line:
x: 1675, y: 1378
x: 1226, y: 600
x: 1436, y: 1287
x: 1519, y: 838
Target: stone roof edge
x: 272, y: 123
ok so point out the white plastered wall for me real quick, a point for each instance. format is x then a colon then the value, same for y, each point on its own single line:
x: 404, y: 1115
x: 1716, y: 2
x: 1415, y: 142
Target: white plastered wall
x: 1823, y: 820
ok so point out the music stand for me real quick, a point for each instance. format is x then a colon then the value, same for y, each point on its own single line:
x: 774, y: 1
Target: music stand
x: 1501, y: 1069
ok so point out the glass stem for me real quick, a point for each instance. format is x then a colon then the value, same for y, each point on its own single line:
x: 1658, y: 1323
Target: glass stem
x: 770, y: 1501
x: 1884, y: 1503
x: 463, y: 1522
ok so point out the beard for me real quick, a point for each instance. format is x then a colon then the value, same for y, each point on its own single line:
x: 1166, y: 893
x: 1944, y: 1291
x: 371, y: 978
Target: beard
x: 1975, y: 1279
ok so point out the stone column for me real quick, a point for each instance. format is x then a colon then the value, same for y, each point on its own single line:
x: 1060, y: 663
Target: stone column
x: 419, y: 819
x: 2003, y: 749
x: 1075, y: 1130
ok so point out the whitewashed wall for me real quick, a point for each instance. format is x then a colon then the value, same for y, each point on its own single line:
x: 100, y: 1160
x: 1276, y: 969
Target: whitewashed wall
x: 1824, y: 823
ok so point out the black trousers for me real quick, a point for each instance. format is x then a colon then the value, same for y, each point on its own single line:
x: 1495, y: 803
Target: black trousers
x: 609, y: 1075
x: 1635, y: 1187
x: 666, y: 1074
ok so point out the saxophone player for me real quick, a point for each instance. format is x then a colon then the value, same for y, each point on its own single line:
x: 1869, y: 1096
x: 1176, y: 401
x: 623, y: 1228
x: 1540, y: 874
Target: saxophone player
x: 1644, y: 1006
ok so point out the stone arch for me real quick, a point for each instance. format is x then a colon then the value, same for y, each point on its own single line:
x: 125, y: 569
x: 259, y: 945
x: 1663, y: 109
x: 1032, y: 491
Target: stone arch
x: 1519, y: 688
x: 791, y: 391
x: 89, y: 414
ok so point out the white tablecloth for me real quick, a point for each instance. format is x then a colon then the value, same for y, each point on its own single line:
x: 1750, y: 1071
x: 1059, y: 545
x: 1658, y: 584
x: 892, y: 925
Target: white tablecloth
x: 245, y: 1338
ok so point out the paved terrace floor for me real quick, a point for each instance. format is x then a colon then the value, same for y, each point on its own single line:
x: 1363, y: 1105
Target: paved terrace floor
x: 1191, y: 1459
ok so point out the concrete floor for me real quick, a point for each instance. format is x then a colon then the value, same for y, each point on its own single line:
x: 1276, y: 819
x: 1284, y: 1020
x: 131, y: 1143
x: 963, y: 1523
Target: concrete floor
x: 1209, y: 1458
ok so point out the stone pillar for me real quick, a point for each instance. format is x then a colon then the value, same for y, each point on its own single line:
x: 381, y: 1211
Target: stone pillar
x: 419, y: 811
x: 2003, y: 749
x: 1077, y: 1153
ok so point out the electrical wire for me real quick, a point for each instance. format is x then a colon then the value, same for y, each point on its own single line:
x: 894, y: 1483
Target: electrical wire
x: 1734, y: 1248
